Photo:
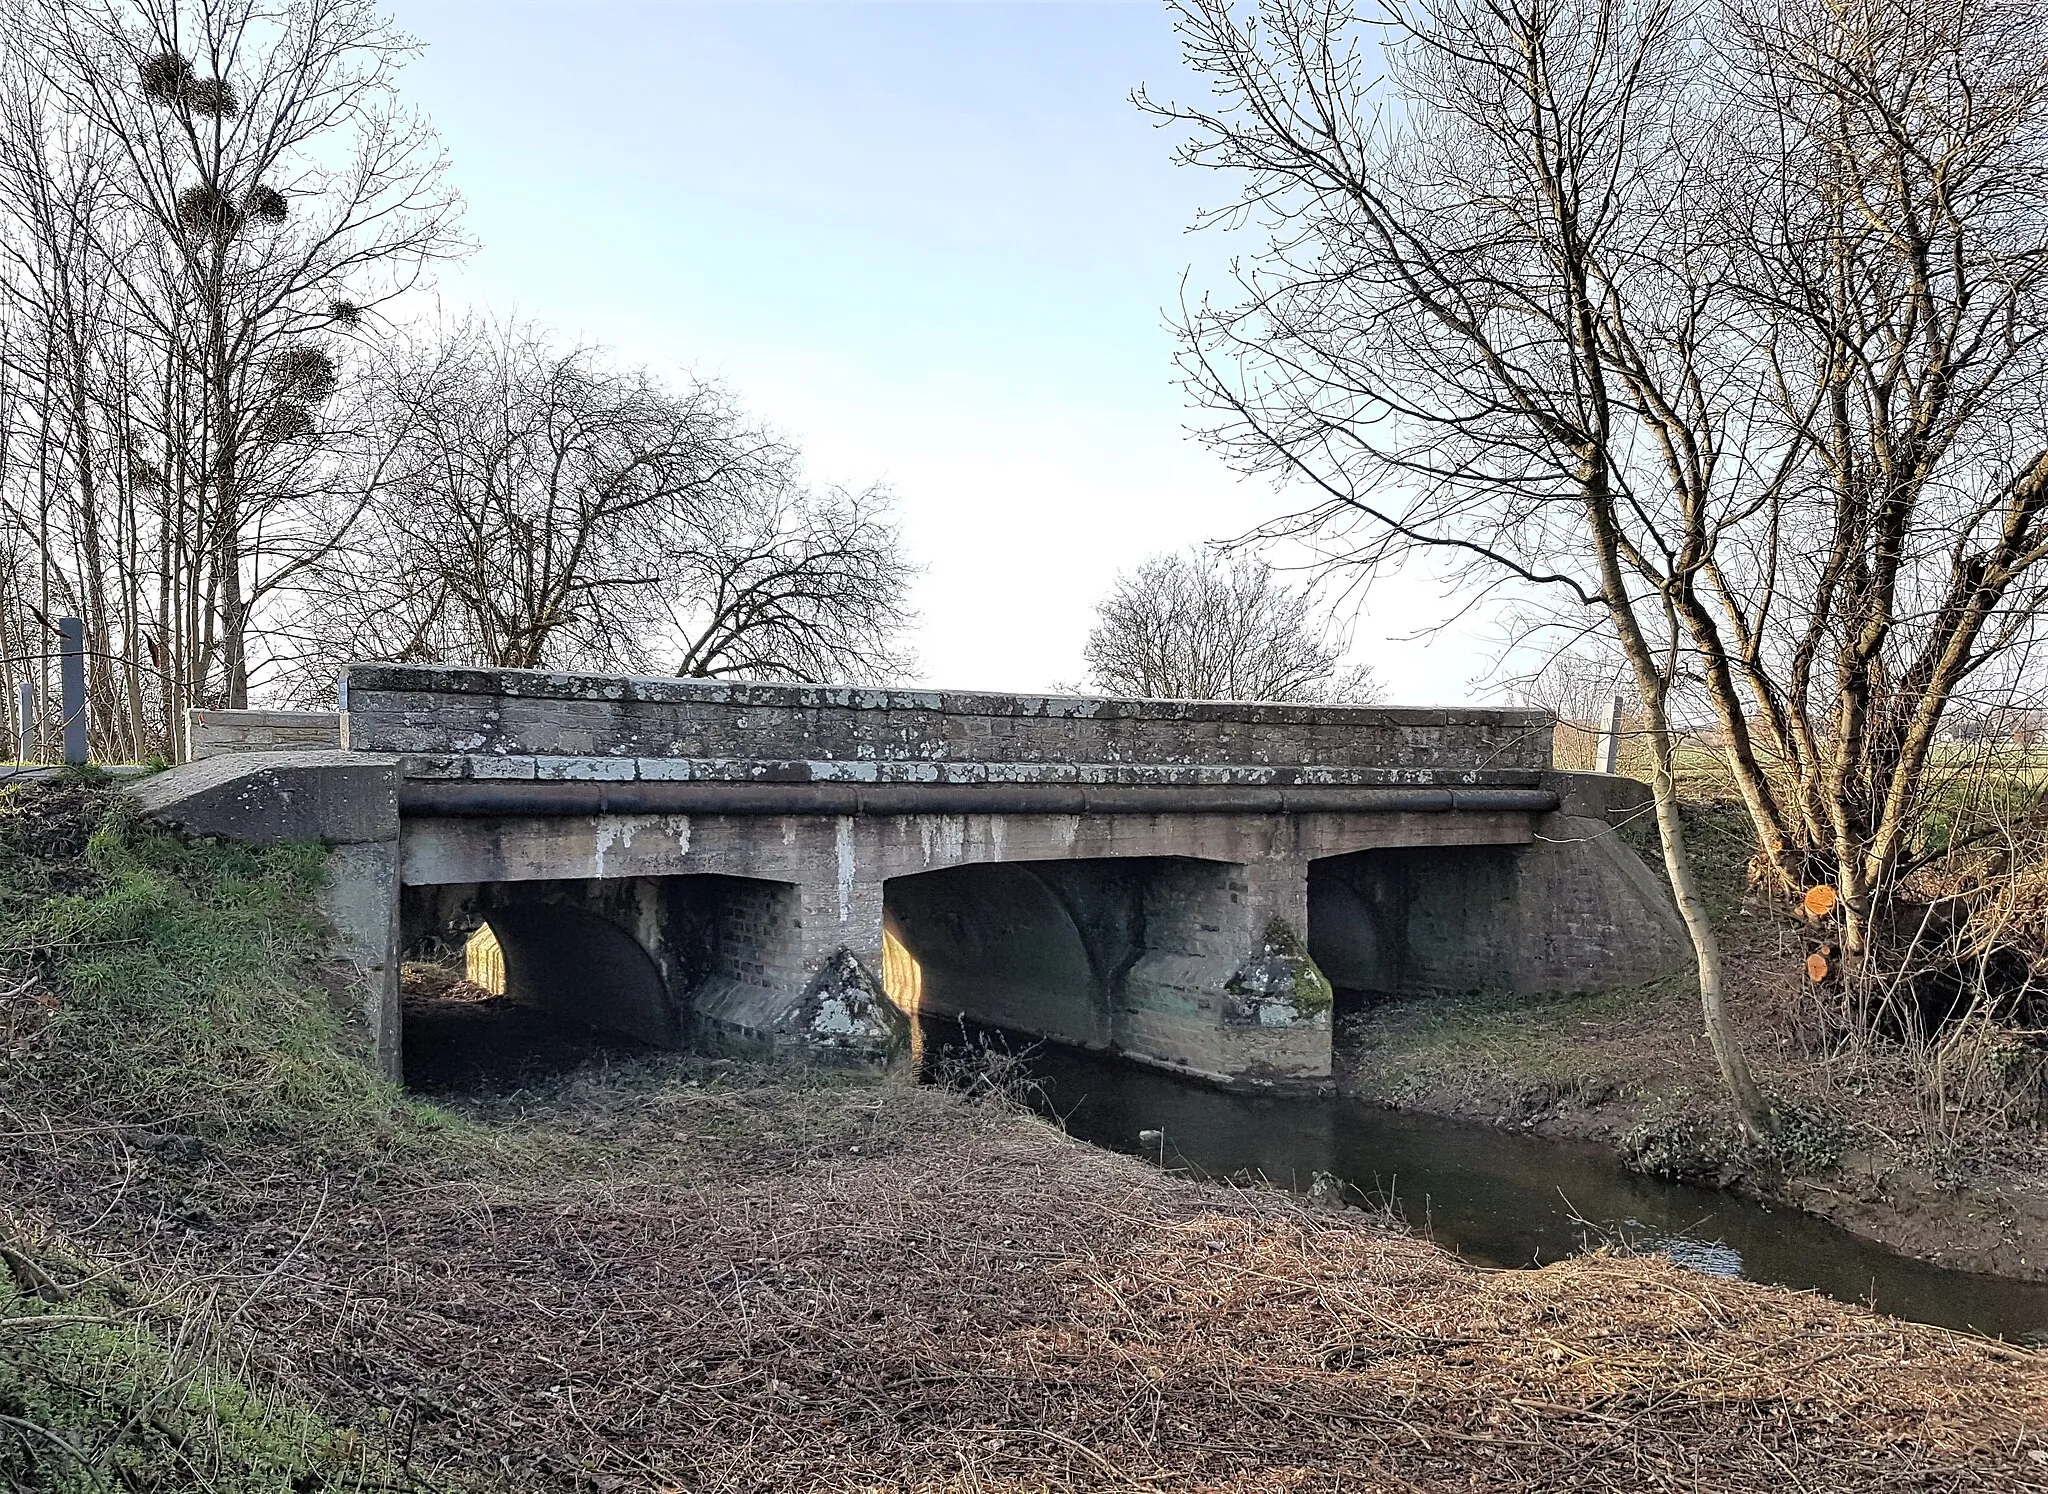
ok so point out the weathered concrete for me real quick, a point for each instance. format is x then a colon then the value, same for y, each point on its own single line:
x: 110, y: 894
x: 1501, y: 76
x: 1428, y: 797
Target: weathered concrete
x: 1600, y: 796
x: 1175, y: 881
x: 1176, y: 960
x: 360, y: 898
x: 211, y: 733
x: 1207, y: 885
x: 346, y: 800
x: 342, y: 798
x: 510, y: 714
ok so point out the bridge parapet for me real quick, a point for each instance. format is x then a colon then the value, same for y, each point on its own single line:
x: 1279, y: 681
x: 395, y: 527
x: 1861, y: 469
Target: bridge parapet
x: 429, y: 711
x: 532, y: 767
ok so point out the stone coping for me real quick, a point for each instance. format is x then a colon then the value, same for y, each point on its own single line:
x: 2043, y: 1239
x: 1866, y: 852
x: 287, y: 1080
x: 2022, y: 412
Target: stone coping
x: 441, y: 679
x: 223, y: 717
x: 520, y: 768
x: 21, y: 772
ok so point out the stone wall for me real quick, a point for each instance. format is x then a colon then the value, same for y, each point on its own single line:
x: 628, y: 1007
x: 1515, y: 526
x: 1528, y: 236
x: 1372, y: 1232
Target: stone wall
x: 1572, y: 910
x: 211, y: 733
x: 428, y: 710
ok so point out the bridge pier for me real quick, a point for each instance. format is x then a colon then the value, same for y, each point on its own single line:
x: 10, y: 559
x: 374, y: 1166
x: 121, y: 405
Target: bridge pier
x: 802, y: 976
x: 1226, y: 987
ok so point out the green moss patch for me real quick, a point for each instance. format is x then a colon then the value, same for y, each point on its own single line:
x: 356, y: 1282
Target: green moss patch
x: 105, y: 1388
x: 162, y: 982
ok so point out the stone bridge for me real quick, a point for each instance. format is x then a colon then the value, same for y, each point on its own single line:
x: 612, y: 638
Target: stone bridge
x: 795, y: 869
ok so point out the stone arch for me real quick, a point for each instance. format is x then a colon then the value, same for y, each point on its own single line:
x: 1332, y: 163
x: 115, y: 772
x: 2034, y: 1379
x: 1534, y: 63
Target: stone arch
x: 1356, y: 923
x: 993, y: 942
x: 582, y: 967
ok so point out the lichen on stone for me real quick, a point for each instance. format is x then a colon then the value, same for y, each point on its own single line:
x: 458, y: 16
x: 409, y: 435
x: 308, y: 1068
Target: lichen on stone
x: 1279, y: 985
x: 845, y: 1011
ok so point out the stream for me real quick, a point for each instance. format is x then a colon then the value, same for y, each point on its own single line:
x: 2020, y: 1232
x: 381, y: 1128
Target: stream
x: 1494, y: 1197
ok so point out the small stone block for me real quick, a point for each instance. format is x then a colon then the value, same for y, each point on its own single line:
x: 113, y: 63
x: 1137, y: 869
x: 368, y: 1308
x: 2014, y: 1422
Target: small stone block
x: 518, y: 766
x: 431, y: 765
x: 584, y: 769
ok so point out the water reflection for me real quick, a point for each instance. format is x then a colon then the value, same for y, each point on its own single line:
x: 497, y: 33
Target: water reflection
x: 1496, y: 1198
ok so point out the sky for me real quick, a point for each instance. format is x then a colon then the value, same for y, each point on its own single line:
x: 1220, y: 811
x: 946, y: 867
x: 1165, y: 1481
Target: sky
x: 930, y: 240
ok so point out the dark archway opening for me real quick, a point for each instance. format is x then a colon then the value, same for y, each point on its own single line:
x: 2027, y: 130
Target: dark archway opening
x: 1039, y: 949
x: 507, y: 987
x: 1408, y: 922
x: 510, y: 982
x: 993, y: 944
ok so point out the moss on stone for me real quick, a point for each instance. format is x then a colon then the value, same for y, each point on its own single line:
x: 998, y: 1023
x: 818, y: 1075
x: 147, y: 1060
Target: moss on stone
x: 1312, y: 989
x: 1281, y: 971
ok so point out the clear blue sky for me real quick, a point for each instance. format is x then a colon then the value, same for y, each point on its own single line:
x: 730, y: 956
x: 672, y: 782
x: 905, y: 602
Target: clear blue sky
x: 931, y: 241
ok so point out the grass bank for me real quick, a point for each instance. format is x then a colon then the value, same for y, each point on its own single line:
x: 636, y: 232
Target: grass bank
x: 181, y: 986
x: 167, y: 1028
x: 688, y: 1274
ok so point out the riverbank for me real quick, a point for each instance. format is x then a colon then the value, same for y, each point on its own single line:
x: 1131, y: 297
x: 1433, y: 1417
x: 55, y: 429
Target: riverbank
x: 680, y: 1274
x: 1630, y: 1071
x: 1865, y: 1147
x: 235, y: 1259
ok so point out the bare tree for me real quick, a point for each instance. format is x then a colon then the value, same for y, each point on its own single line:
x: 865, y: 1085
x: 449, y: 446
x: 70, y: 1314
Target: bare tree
x: 1205, y: 627
x: 788, y: 582
x: 535, y: 506
x: 1473, y: 312
x: 202, y: 204
x: 1579, y: 687
x: 1725, y: 328
x: 1886, y: 214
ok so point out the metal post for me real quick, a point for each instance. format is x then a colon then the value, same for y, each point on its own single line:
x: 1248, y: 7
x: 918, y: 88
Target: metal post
x: 25, y: 737
x: 72, y: 631
x: 1608, y: 758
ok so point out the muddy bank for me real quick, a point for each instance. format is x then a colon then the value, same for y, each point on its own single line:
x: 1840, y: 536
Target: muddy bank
x: 1627, y: 1071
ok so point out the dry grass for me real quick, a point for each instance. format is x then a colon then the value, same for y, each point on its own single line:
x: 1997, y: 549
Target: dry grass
x: 700, y: 1279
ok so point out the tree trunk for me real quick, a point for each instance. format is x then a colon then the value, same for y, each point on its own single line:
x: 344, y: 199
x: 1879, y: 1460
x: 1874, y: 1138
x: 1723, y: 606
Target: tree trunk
x: 1751, y: 1110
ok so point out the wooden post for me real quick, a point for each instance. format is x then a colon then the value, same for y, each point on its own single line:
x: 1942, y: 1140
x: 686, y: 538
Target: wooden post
x: 1608, y: 758
x: 25, y: 724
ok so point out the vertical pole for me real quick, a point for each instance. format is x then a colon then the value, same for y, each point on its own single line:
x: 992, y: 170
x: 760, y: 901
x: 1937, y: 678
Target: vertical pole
x: 25, y: 736
x: 72, y: 631
x: 1608, y: 758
